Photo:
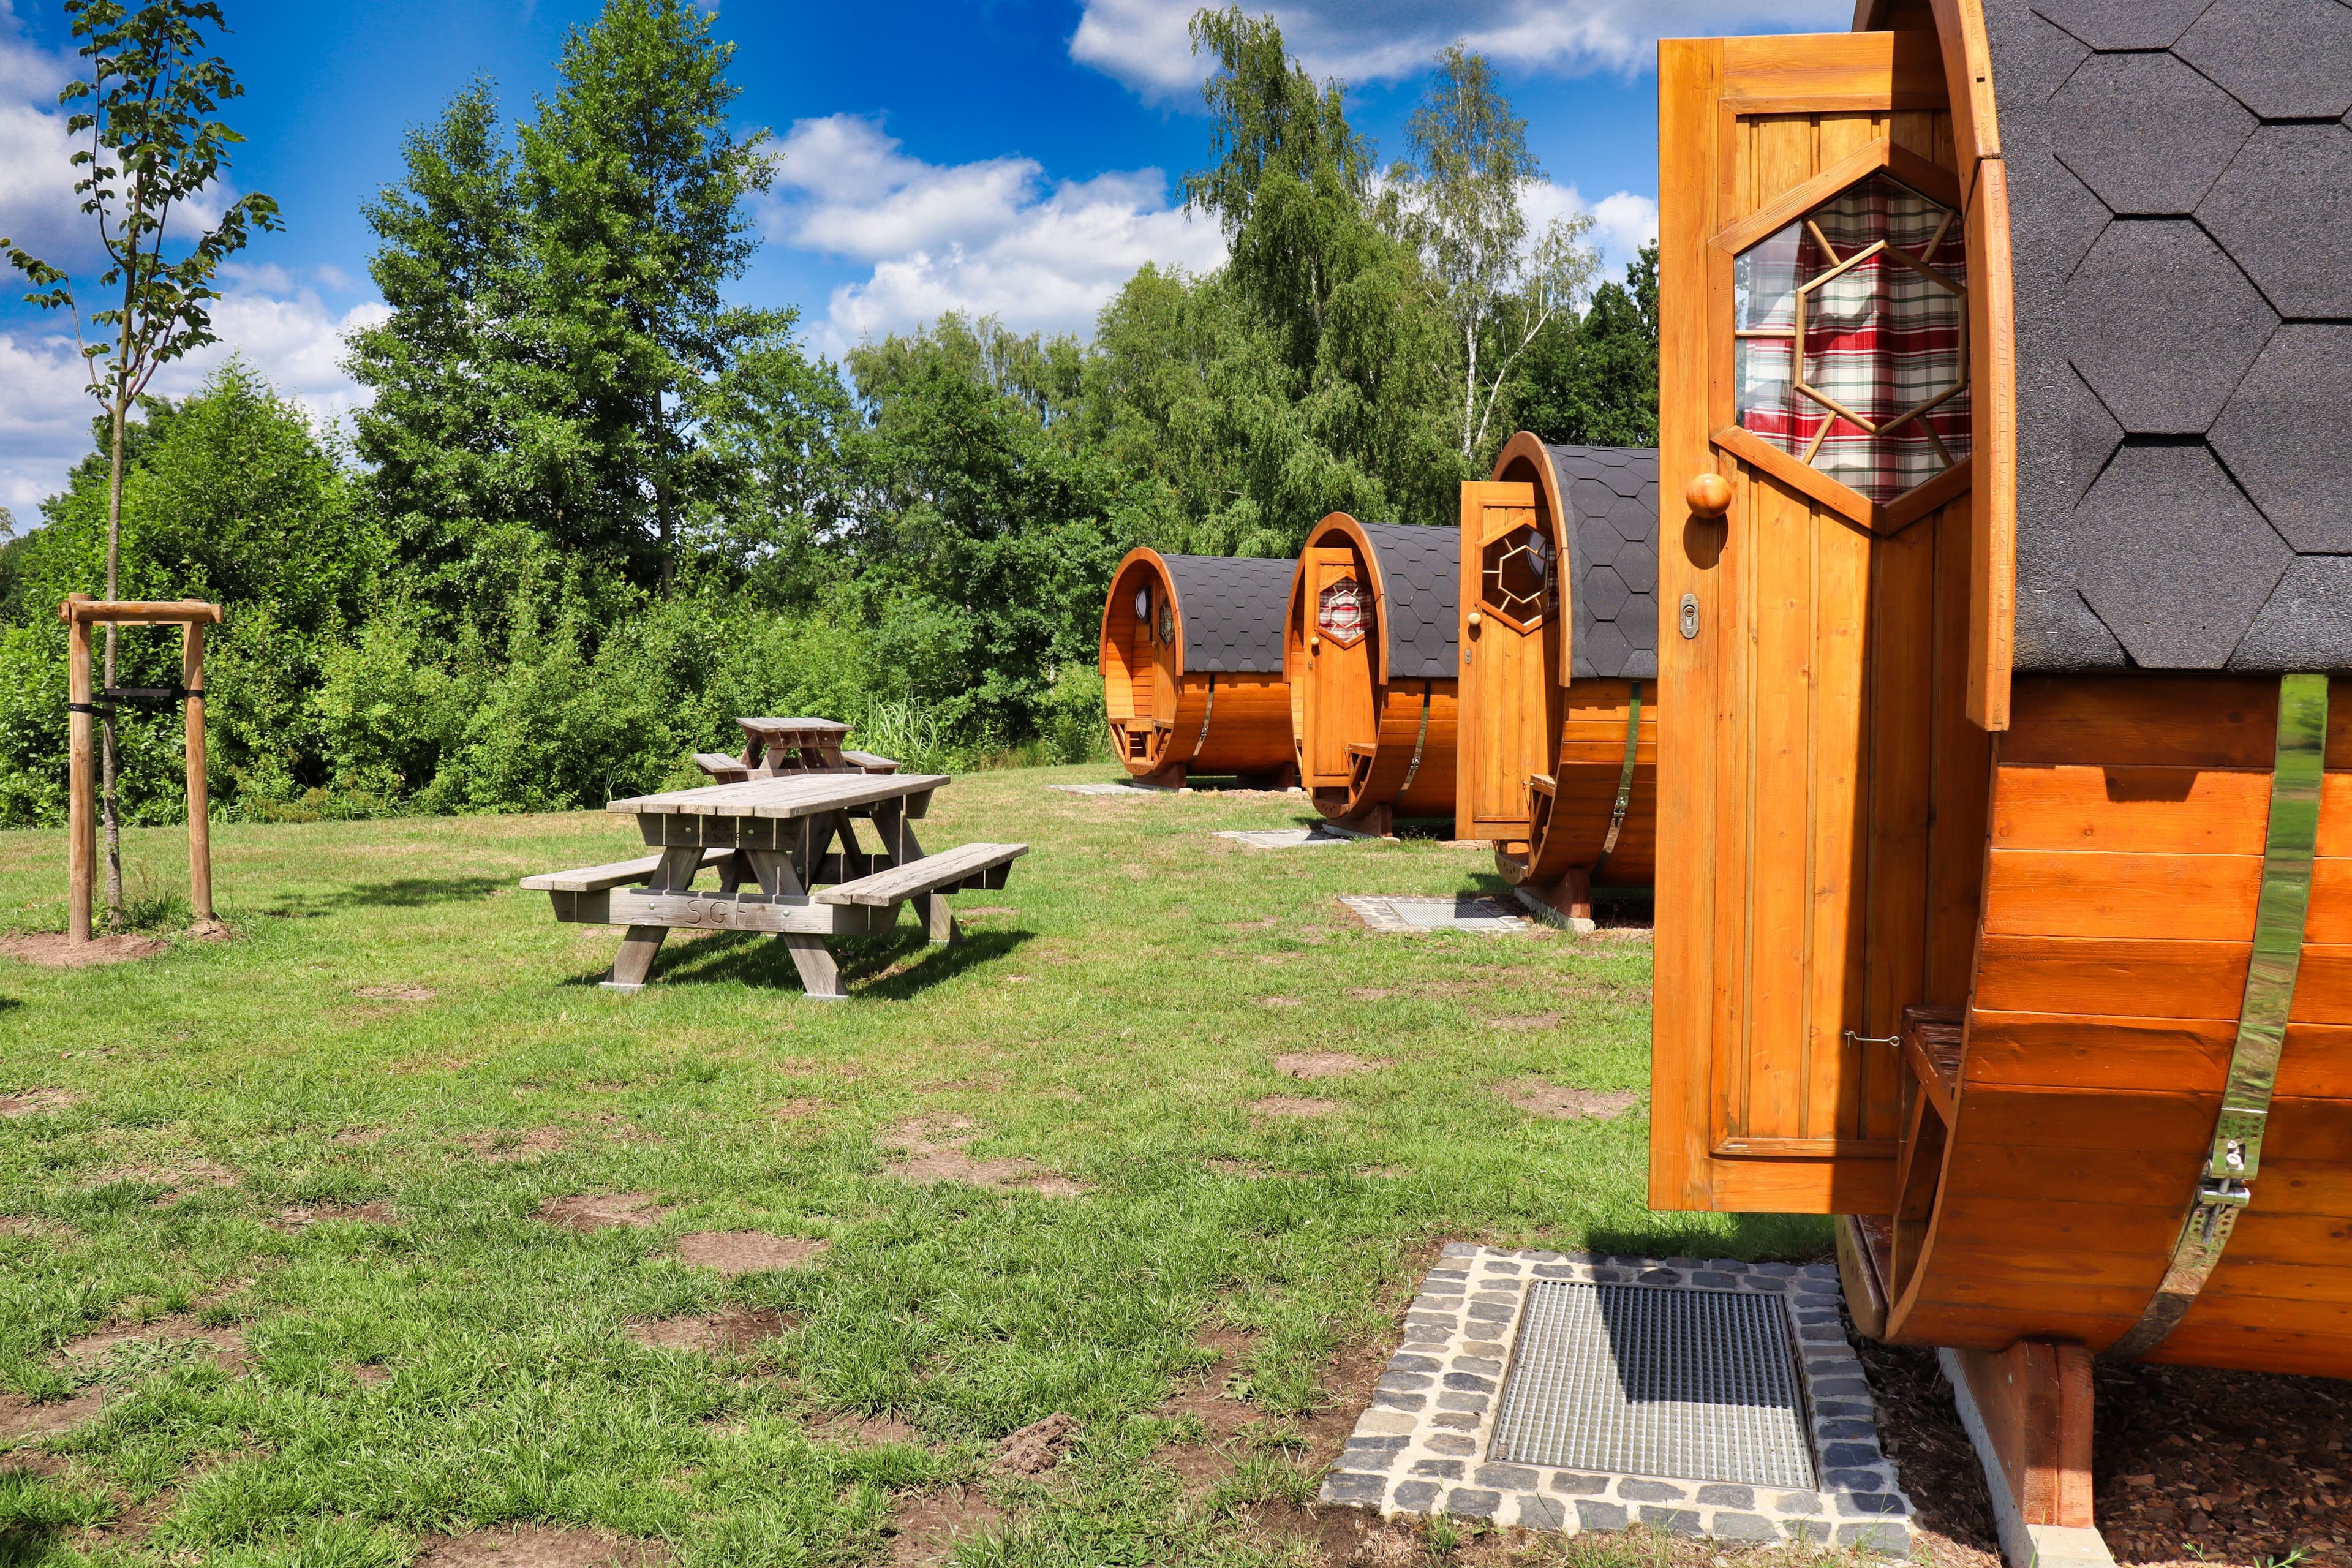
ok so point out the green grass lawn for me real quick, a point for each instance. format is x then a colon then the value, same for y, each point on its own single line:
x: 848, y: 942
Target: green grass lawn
x: 395, y: 1025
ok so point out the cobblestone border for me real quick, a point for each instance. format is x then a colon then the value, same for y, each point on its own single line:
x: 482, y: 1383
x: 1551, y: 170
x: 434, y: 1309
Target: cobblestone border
x: 1418, y: 1447
x: 1374, y: 909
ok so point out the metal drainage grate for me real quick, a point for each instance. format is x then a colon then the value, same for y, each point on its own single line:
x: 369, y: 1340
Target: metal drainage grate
x: 1651, y: 1381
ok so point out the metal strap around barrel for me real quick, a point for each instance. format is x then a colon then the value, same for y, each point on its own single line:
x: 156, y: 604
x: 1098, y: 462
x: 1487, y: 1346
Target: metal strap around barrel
x: 1624, y: 783
x: 1206, y: 714
x: 2235, y: 1158
x: 1418, y: 740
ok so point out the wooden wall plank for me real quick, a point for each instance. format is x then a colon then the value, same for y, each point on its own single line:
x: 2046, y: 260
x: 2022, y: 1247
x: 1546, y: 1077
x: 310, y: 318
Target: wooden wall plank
x: 2117, y: 976
x: 2199, y: 898
x: 2138, y: 810
x: 2144, y: 720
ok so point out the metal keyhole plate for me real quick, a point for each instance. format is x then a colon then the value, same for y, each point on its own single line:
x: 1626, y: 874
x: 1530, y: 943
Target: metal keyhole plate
x: 1690, y: 616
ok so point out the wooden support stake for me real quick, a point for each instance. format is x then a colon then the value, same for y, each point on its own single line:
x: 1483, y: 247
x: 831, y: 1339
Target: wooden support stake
x: 2028, y: 1411
x: 81, y: 790
x: 200, y: 822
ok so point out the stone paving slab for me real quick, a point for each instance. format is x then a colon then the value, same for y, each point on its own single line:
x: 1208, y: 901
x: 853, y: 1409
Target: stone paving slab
x: 1405, y: 916
x: 1285, y: 837
x: 1420, y: 1446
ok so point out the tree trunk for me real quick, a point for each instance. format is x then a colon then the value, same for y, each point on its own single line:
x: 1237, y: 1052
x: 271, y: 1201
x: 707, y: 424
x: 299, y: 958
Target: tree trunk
x: 106, y: 714
x: 1469, y: 381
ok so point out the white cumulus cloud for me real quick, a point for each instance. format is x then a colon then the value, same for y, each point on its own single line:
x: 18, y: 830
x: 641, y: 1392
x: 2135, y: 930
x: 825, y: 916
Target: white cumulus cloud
x: 1144, y: 43
x: 1622, y: 222
x: 292, y: 337
x: 990, y: 237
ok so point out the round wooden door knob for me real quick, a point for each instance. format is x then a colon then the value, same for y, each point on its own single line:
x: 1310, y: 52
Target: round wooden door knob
x: 1709, y: 495
x: 1476, y: 618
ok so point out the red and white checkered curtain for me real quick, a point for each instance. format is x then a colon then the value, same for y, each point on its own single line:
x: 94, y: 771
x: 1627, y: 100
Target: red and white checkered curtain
x: 1879, y: 339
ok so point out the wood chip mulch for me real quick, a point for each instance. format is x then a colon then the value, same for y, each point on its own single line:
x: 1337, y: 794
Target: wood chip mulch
x: 2192, y: 1465
x: 2189, y: 1466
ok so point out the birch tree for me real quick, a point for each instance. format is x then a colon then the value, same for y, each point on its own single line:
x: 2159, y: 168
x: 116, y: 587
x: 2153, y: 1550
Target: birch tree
x: 1462, y: 201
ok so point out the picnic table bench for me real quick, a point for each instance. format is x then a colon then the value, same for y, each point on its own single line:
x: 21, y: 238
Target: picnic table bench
x: 776, y: 836
x: 775, y: 746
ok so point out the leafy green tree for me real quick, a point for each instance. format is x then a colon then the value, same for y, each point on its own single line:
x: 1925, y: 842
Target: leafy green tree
x: 1594, y: 379
x: 153, y: 146
x: 990, y: 528
x: 229, y: 496
x: 558, y: 322
x: 473, y: 444
x: 635, y: 185
x: 1460, y: 202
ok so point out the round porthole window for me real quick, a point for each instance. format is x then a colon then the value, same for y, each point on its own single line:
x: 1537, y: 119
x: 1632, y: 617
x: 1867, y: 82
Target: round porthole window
x: 1143, y: 604
x: 1853, y: 339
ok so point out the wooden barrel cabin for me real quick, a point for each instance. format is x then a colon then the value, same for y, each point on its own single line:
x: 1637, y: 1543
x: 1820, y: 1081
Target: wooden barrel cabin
x: 2005, y: 766
x: 1559, y: 755
x: 1369, y: 646
x: 1191, y: 667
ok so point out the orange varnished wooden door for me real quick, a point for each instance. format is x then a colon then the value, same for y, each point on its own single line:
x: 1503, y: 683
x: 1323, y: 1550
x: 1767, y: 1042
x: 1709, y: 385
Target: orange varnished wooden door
x: 1511, y: 633
x: 1339, y: 650
x: 1820, y: 794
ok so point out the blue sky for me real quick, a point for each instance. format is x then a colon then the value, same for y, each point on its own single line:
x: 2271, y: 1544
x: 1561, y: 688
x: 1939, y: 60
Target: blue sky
x: 1014, y: 156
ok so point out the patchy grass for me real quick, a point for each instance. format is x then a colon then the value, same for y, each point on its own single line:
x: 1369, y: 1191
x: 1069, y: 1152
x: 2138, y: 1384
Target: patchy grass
x: 437, y: 1182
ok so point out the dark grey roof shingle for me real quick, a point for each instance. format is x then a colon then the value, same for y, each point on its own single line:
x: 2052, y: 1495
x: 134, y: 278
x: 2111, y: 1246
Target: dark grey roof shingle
x: 1612, y: 496
x: 1421, y: 574
x: 2281, y: 58
x: 1233, y: 608
x: 2115, y: 106
x: 2172, y: 451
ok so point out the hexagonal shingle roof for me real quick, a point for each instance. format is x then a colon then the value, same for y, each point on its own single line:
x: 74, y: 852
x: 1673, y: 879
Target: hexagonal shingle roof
x: 1421, y: 574
x: 1611, y: 494
x: 2181, y: 194
x: 1232, y: 608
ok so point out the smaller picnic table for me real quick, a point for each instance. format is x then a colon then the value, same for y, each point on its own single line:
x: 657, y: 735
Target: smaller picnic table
x: 776, y: 834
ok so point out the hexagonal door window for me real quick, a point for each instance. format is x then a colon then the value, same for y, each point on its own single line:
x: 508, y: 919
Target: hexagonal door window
x: 1852, y: 337
x: 1515, y: 577
x: 1342, y: 611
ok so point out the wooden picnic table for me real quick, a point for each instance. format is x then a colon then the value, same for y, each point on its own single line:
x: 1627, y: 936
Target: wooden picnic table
x: 778, y: 837
x: 773, y: 746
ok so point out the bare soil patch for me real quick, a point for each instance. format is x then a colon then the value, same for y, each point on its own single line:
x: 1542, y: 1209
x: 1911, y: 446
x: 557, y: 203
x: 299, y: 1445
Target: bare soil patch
x: 1240, y: 1168
x: 620, y: 1129
x: 606, y: 1211
x: 733, y: 1330
x: 747, y: 1251
x: 1280, y: 1001
x: 503, y: 1148
x: 396, y: 992
x: 934, y: 1148
x: 929, y: 1529
x: 1201, y: 1464
x: 372, y: 1375
x: 21, y: 1418
x: 36, y: 1101
x: 1532, y: 1021
x: 1038, y: 1446
x: 800, y: 1109
x: 540, y: 1546
x: 50, y: 949
x: 177, y: 1179
x: 1292, y: 1105
x: 1312, y: 1065
x: 376, y: 1211
x: 852, y: 1427
x: 1558, y: 1102
x: 229, y: 1344
x: 357, y: 1137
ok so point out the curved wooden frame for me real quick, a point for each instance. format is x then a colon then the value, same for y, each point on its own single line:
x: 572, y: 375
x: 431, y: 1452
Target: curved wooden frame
x: 1217, y: 723
x: 1402, y: 760
x: 1573, y: 832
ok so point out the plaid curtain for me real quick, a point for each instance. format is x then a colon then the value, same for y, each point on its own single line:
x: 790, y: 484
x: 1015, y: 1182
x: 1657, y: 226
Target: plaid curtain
x: 1879, y: 339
